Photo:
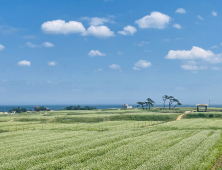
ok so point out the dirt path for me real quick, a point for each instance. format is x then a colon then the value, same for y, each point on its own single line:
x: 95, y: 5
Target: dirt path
x: 181, y: 116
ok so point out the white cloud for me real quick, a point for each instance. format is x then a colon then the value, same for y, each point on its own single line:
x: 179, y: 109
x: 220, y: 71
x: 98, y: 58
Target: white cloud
x: 30, y: 37
x: 62, y: 27
x: 141, y: 64
x: 24, y: 63
x: 2, y: 47
x: 167, y: 40
x: 120, y: 53
x: 179, y: 88
x: 200, y: 17
x: 142, y: 43
x: 99, y: 21
x: 178, y: 26
x: 128, y: 30
x: 48, y: 44
x: 194, y: 54
x: 215, y: 68
x: 214, y: 13
x: 154, y: 20
x: 94, y: 53
x: 181, y: 10
x: 115, y: 67
x: 215, y: 46
x: 52, y: 63
x: 193, y: 67
x: 100, y: 69
x: 29, y: 44
x: 45, y: 44
x: 99, y: 31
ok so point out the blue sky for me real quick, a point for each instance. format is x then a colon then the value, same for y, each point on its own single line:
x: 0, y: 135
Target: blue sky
x: 109, y: 51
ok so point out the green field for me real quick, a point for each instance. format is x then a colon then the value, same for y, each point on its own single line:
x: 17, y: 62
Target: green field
x: 110, y: 139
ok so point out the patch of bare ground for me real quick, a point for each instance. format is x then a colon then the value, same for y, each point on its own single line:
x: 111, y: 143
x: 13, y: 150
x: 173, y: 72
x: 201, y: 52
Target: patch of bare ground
x: 11, y: 120
x: 181, y: 116
x: 218, y: 164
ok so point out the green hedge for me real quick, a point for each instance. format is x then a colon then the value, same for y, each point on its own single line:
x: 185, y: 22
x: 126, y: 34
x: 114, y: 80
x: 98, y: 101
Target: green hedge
x: 202, y: 115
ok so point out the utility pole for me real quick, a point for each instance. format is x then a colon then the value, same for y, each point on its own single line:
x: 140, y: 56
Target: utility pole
x: 209, y: 103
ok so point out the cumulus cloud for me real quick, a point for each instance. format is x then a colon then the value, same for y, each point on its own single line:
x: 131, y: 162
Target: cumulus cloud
x: 94, y: 53
x: 141, y: 64
x: 99, y: 31
x: 128, y: 30
x: 48, y: 44
x: 2, y: 47
x: 24, y: 63
x: 214, y: 13
x: 154, y: 20
x: 200, y: 17
x: 181, y: 10
x: 142, y: 43
x: 194, y: 54
x: 115, y: 67
x: 29, y: 44
x: 215, y: 46
x: 30, y: 37
x: 62, y: 27
x: 99, y: 21
x: 120, y: 53
x: 52, y: 63
x: 178, y: 26
x: 45, y: 44
x: 193, y: 67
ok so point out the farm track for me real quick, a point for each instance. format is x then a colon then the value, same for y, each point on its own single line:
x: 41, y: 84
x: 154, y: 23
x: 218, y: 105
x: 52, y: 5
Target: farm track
x: 181, y: 116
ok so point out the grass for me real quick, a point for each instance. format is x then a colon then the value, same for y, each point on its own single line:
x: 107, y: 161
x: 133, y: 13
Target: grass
x: 110, y: 139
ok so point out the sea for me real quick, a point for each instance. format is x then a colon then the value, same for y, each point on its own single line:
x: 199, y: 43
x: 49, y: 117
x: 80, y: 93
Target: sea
x: 6, y: 108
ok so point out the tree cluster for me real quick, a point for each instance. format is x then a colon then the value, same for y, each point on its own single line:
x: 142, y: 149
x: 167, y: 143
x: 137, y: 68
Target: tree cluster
x: 171, y: 100
x: 41, y: 108
x: 148, y: 103
x: 79, y: 108
x: 18, y: 110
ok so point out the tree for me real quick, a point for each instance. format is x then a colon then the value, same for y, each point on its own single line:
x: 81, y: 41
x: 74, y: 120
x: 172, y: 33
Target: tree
x: 177, y: 103
x: 141, y: 103
x: 149, y: 102
x: 173, y: 100
x: 165, y: 97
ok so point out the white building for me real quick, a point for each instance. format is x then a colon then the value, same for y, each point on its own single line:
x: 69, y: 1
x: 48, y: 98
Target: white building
x: 126, y: 106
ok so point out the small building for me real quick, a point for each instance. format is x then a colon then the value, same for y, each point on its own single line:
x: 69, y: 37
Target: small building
x: 202, y: 105
x: 126, y: 106
x: 36, y: 108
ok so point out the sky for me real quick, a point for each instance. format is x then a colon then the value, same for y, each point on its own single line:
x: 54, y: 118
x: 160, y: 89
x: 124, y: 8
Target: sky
x: 110, y: 51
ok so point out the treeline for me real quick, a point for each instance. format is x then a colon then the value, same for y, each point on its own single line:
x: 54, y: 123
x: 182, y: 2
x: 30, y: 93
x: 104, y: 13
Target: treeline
x: 18, y: 110
x: 150, y: 103
x: 79, y: 108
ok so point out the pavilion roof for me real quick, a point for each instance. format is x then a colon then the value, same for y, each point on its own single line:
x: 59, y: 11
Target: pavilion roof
x: 201, y: 104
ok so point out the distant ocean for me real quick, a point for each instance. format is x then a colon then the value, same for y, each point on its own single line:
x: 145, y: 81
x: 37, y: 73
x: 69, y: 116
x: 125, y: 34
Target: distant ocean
x: 102, y: 106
